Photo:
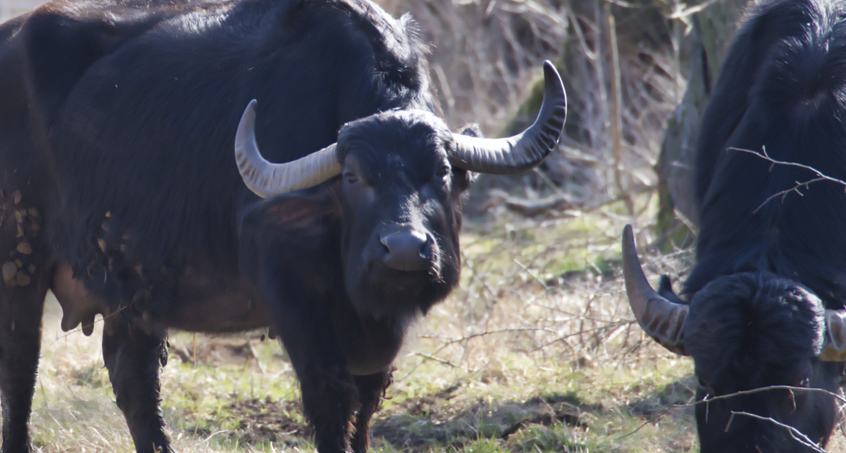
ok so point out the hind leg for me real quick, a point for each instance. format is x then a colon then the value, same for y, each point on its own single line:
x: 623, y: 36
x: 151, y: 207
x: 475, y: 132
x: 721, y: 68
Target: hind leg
x: 134, y: 359
x: 23, y: 285
x: 21, y: 308
x: 371, y: 388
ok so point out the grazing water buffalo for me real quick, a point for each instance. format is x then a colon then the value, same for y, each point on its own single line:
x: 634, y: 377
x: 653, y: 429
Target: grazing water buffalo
x: 767, y: 293
x: 120, y: 192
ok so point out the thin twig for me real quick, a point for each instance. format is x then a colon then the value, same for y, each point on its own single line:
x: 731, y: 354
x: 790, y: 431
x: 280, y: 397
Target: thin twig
x: 453, y: 341
x: 684, y: 13
x: 798, y: 185
x: 102, y: 319
x: 439, y: 360
x: 707, y: 400
x: 491, y: 332
x: 773, y: 387
x: 799, y: 436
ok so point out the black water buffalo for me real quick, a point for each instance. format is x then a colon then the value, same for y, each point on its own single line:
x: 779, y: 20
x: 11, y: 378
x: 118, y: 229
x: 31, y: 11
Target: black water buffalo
x: 767, y: 293
x: 120, y: 192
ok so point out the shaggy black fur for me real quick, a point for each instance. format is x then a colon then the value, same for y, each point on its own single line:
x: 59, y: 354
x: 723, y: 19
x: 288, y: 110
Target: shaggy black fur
x: 351, y: 60
x: 782, y: 89
x: 133, y: 358
x: 117, y: 127
x: 371, y: 390
x: 767, y: 268
x: 753, y: 330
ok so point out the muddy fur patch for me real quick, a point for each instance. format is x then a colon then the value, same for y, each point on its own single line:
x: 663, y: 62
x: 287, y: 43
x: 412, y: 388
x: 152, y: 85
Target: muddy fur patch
x: 19, y: 267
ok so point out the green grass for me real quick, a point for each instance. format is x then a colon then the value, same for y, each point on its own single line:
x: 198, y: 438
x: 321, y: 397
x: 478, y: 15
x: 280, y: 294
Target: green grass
x: 499, y: 391
x: 529, y: 355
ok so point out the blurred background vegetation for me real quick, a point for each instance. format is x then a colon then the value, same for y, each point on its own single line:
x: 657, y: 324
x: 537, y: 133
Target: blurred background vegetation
x: 638, y: 75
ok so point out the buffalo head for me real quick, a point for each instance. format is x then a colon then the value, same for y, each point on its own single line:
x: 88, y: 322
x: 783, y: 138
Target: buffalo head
x: 402, y: 173
x: 751, y: 336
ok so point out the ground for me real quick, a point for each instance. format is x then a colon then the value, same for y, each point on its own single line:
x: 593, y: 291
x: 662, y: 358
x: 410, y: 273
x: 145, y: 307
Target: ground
x: 232, y: 401
x: 536, y: 352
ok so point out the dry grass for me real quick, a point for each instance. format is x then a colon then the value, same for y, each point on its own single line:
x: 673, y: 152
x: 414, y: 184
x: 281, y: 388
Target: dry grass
x: 528, y: 355
x: 506, y: 364
x: 537, y: 351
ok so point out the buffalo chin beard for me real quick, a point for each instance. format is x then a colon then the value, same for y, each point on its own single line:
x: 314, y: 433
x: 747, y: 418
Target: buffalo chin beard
x: 382, y: 291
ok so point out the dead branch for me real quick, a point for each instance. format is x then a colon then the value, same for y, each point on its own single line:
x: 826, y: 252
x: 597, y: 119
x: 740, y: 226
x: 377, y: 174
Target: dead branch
x: 793, y: 430
x: 528, y: 208
x: 797, y: 435
x: 820, y: 176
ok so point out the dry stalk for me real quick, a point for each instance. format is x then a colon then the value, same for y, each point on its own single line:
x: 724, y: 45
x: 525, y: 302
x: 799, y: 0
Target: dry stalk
x: 616, y: 108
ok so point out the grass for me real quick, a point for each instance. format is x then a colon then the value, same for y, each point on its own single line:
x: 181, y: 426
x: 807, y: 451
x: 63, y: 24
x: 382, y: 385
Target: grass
x: 529, y: 355
x: 523, y: 357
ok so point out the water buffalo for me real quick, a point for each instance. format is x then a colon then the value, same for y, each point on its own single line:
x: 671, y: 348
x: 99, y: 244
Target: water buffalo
x: 765, y: 300
x: 120, y: 192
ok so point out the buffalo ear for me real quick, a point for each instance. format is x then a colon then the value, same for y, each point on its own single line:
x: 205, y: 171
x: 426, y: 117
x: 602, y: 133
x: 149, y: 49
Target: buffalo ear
x: 461, y: 180
x: 665, y: 290
x: 292, y: 227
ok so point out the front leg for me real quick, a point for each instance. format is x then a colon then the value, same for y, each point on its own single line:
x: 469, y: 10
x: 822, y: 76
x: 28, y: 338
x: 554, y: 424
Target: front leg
x: 291, y: 245
x: 329, y: 400
x: 133, y: 359
x: 371, y: 389
x: 329, y: 393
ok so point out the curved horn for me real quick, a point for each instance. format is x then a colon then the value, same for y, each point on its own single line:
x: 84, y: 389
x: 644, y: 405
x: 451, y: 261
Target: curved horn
x: 834, y: 348
x: 524, y: 151
x: 267, y: 179
x: 660, y: 318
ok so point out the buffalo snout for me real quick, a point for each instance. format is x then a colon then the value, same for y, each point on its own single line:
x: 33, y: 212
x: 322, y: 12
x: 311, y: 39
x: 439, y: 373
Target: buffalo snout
x: 407, y: 249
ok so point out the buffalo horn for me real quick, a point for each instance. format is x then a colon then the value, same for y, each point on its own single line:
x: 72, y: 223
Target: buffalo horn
x: 660, y: 318
x: 524, y: 151
x: 268, y: 179
x: 834, y: 348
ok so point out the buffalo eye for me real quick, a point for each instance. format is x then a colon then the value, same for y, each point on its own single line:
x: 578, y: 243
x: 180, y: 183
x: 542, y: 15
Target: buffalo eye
x: 805, y: 382
x: 442, y: 172
x: 702, y: 384
x: 350, y: 178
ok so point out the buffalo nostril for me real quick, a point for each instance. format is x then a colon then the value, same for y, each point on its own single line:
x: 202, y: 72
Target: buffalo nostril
x: 426, y: 249
x: 406, y: 250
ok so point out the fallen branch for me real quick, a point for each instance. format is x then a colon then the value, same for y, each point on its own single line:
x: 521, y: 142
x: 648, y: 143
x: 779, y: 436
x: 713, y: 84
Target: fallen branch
x: 528, y: 208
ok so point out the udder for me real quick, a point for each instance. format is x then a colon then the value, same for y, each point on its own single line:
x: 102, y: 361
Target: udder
x: 203, y: 303
x: 79, y: 306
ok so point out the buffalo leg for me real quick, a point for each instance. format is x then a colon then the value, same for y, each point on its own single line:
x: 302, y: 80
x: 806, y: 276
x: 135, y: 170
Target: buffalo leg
x: 328, y: 391
x: 21, y: 308
x: 371, y: 388
x: 134, y: 359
